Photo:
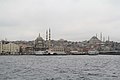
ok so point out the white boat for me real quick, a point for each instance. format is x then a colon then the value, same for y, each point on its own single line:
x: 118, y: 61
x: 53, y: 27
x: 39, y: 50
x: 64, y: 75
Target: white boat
x: 39, y: 52
x: 76, y: 52
x: 59, y: 53
x: 93, y: 52
x: 54, y: 52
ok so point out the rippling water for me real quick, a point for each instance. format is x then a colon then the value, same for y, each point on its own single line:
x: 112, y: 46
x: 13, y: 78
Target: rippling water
x: 60, y: 67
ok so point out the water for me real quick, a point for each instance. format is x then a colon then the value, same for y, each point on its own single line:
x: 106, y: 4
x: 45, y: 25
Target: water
x: 71, y: 67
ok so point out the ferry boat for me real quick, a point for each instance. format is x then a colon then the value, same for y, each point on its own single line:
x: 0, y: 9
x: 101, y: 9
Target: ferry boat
x: 77, y: 53
x: 49, y: 52
x: 93, y: 52
x: 39, y: 52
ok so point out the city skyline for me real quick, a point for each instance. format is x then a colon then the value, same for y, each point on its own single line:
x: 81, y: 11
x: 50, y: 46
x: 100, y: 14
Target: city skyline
x: 75, y: 20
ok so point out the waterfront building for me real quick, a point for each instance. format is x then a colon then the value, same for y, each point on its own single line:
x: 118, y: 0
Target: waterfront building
x: 1, y: 45
x: 26, y: 49
x: 58, y: 49
x: 11, y: 48
x: 29, y: 50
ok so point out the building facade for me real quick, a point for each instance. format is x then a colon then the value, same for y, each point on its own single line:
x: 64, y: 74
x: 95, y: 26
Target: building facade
x: 58, y: 50
x: 10, y: 48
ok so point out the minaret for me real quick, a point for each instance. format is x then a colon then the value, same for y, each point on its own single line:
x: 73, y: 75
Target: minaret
x: 96, y: 35
x: 49, y: 34
x: 108, y: 38
x: 39, y: 35
x: 1, y: 47
x: 49, y: 45
x: 101, y: 36
x: 46, y: 35
x: 5, y: 39
x: 103, y: 39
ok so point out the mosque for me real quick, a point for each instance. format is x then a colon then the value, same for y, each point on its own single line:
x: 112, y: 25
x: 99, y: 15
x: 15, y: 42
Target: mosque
x: 40, y: 44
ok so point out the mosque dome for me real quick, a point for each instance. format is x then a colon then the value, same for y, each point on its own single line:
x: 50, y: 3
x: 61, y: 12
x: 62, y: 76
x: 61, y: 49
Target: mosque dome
x: 39, y: 42
x: 39, y: 38
x: 94, y: 39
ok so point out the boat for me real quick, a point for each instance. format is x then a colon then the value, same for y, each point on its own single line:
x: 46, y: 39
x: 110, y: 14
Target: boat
x: 39, y: 52
x: 49, y: 52
x: 93, y: 52
x: 77, y: 53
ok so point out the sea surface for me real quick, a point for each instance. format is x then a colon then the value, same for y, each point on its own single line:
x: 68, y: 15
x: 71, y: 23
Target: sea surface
x: 70, y: 67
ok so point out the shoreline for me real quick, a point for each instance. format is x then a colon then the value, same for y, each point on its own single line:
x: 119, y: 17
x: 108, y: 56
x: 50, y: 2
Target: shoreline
x: 55, y: 55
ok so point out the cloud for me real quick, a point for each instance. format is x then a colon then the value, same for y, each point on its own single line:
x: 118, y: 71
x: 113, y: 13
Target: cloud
x: 69, y: 19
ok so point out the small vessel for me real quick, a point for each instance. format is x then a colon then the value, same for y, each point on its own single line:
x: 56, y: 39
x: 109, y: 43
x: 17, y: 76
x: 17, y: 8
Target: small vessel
x: 39, y: 52
x: 49, y: 52
x: 93, y: 52
x: 77, y: 53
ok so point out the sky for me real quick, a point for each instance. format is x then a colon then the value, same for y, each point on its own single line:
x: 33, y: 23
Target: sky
x: 75, y: 20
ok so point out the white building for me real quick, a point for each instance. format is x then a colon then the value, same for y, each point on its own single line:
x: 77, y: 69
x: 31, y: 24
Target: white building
x: 58, y: 50
x: 11, y: 48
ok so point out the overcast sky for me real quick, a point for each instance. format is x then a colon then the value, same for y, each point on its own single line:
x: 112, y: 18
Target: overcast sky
x: 75, y: 20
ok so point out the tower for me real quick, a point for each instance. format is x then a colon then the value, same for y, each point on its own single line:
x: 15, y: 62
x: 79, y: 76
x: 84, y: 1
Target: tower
x: 39, y: 35
x: 46, y: 35
x: 108, y: 38
x: 96, y: 34
x: 103, y: 39
x: 1, y: 47
x: 49, y: 34
x: 49, y: 45
x: 101, y: 36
